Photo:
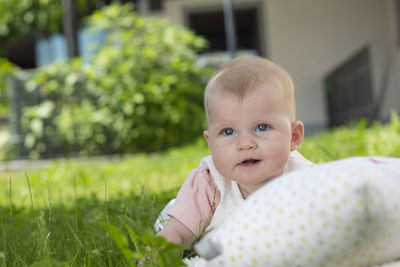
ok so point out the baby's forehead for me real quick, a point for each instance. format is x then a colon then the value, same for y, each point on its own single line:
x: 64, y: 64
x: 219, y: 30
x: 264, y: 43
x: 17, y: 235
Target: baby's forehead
x: 256, y: 105
x: 250, y: 75
x: 270, y: 97
x: 273, y: 88
x: 247, y: 76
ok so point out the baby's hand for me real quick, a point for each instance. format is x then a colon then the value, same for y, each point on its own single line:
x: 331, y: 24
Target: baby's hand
x: 178, y: 233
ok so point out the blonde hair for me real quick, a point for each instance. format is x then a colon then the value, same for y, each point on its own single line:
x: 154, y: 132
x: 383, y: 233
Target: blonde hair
x: 246, y: 74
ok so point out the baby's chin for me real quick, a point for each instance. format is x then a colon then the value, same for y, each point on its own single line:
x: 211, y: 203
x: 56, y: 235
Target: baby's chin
x: 254, y: 182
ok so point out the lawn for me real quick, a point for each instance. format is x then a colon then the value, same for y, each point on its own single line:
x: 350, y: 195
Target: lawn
x: 54, y: 215
x: 100, y: 211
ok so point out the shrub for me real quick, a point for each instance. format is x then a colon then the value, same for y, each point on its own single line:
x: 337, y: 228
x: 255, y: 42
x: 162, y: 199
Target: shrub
x: 353, y: 140
x: 6, y: 69
x: 142, y: 91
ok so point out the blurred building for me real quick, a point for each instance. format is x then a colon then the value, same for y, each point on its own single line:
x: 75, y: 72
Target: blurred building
x: 343, y: 54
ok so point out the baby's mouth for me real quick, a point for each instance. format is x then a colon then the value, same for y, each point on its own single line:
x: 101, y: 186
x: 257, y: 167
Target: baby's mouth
x: 249, y: 162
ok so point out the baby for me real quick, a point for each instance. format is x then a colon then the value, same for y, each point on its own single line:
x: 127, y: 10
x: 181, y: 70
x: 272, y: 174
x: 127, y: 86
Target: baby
x: 252, y: 134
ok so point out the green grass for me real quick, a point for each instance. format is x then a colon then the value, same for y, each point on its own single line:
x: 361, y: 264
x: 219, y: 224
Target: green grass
x: 100, y: 211
x: 355, y: 140
x: 68, y: 179
x: 56, y: 213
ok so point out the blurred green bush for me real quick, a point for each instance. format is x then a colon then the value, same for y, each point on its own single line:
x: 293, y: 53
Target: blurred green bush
x: 356, y: 139
x: 6, y: 68
x: 142, y: 91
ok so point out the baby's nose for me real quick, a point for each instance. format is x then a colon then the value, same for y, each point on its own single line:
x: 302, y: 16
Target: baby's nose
x: 245, y: 142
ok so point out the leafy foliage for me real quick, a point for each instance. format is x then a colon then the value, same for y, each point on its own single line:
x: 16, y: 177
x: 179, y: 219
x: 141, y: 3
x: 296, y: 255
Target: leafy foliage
x: 6, y: 69
x: 147, y: 249
x: 141, y: 92
x: 18, y: 17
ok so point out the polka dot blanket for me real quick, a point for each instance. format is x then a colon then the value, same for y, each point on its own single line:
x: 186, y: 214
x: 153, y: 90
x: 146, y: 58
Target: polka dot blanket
x: 343, y: 213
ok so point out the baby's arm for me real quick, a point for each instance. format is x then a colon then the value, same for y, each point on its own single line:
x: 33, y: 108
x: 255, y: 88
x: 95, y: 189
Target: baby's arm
x: 194, y: 206
x: 176, y: 232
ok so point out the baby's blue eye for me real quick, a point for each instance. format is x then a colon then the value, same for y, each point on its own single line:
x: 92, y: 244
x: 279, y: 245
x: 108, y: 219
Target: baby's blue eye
x: 228, y: 131
x: 262, y: 127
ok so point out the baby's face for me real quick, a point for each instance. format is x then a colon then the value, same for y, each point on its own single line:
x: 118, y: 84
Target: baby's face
x: 250, y: 138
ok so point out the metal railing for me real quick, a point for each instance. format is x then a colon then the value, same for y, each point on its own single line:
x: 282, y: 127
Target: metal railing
x: 349, y: 90
x: 19, y: 98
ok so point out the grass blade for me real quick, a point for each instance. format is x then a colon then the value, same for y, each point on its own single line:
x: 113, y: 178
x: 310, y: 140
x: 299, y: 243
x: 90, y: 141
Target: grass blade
x: 30, y: 194
x: 128, y: 222
x: 121, y: 241
x: 11, y: 205
x: 106, y: 201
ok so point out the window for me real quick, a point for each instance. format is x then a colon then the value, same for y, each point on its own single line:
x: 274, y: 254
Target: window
x: 210, y: 25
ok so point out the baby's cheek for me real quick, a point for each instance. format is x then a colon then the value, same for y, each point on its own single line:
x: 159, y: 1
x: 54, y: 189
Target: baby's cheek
x: 223, y: 163
x: 277, y: 154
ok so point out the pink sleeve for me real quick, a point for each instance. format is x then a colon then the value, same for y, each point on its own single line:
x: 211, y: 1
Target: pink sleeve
x: 196, y: 201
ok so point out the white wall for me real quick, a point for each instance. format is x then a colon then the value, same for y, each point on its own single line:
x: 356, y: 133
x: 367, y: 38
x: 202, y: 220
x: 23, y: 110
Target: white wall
x: 392, y: 99
x: 311, y: 37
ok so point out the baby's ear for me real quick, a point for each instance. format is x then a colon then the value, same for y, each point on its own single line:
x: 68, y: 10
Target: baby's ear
x: 297, y: 135
x: 205, y: 134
